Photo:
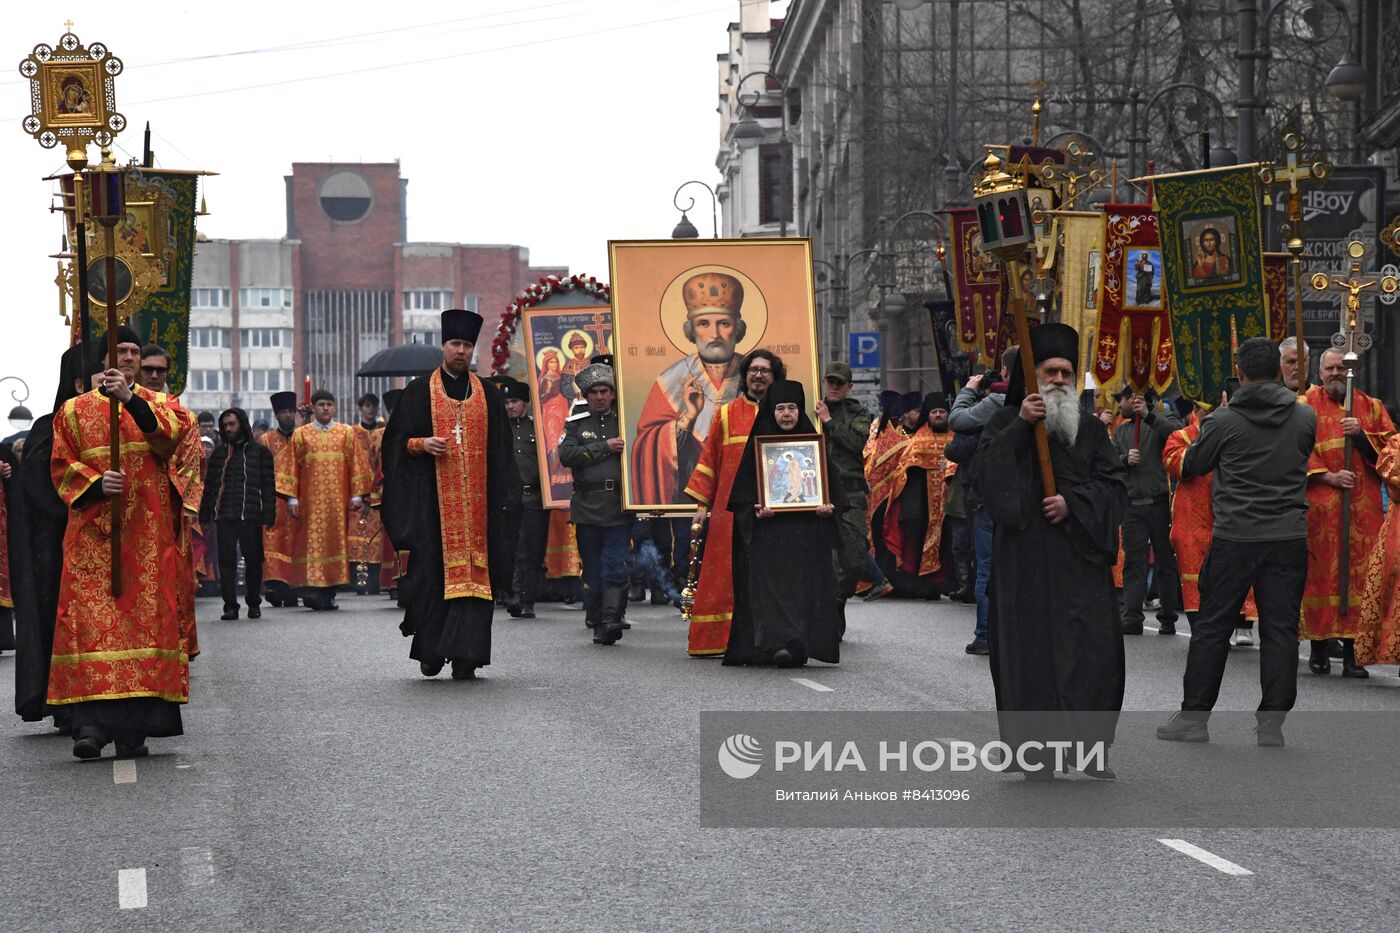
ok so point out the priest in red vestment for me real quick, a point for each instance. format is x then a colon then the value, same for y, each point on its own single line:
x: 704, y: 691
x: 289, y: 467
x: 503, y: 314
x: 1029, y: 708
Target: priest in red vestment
x: 120, y: 662
x: 709, y: 486
x: 1368, y: 428
x: 280, y: 577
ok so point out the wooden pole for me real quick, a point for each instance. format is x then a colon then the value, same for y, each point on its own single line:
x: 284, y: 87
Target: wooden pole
x: 1347, y: 447
x: 1296, y: 263
x: 1023, y: 337
x: 80, y: 251
x: 115, y: 439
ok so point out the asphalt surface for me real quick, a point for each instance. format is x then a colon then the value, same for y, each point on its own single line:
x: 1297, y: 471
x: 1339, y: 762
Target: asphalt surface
x: 324, y: 784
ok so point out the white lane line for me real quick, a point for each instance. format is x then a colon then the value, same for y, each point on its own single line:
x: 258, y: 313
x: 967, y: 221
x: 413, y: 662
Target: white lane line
x: 124, y: 771
x: 812, y: 684
x: 131, y: 888
x: 1209, y: 858
x: 196, y: 866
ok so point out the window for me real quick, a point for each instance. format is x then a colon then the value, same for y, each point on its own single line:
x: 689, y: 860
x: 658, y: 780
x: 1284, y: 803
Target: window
x: 209, y: 298
x: 774, y: 170
x: 429, y: 337
x: 210, y: 337
x: 427, y: 300
x: 265, y: 337
x: 265, y: 297
x: 209, y: 381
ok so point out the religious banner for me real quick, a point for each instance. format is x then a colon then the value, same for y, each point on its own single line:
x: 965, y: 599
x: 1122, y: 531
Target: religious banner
x: 1133, y: 338
x: 1209, y: 223
x: 1276, y: 306
x: 1083, y: 262
x: 155, y: 262
x: 560, y: 341
x: 976, y: 286
x: 684, y: 313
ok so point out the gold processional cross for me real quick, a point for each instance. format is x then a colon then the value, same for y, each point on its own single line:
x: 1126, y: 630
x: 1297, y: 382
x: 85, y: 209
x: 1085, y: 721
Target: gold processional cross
x: 1352, y: 338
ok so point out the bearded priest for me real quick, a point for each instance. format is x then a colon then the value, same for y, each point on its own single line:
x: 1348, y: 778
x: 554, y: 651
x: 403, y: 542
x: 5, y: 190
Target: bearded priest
x: 452, y: 501
x: 1053, y: 624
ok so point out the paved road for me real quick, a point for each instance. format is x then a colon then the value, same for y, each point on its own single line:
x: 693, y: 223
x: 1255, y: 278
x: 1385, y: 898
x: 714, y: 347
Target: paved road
x: 324, y: 785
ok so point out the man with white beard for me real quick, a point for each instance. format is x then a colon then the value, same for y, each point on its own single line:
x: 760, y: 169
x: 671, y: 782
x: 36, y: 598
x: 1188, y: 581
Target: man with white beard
x: 1053, y: 625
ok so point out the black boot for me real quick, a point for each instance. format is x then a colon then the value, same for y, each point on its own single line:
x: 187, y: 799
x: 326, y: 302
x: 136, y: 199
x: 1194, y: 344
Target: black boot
x: 622, y: 613
x: 1349, y: 666
x: 1317, y: 658
x: 609, y: 628
x: 592, y: 607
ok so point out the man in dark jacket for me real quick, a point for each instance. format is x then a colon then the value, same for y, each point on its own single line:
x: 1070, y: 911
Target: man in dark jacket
x: 1148, y: 521
x: 1259, y: 448
x: 240, y: 494
x: 534, y: 519
x: 592, y: 449
x: 846, y: 424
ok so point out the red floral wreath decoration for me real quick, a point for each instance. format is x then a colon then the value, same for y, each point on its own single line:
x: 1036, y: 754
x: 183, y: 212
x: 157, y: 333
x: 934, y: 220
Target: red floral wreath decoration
x: 531, y: 296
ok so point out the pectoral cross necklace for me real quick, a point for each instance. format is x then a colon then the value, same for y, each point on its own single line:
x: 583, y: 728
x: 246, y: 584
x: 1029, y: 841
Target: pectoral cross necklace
x: 457, y: 433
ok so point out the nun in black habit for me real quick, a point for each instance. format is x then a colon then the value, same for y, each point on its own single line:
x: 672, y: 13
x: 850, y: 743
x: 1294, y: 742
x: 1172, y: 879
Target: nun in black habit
x: 786, y: 607
x: 38, y: 519
x: 1053, y: 623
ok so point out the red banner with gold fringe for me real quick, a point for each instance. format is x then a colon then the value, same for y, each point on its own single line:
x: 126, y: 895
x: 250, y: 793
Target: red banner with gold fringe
x: 1134, y: 335
x: 976, y: 285
x: 1276, y: 295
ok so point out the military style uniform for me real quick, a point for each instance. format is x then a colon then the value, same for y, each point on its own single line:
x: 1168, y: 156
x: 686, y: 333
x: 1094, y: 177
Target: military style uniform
x: 534, y: 519
x: 603, y: 528
x: 846, y: 435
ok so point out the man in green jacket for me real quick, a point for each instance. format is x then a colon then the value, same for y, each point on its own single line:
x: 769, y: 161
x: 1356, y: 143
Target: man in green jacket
x: 846, y: 424
x: 592, y: 449
x: 1258, y: 447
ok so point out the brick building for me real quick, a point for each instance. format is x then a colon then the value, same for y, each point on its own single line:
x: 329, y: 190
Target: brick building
x: 342, y: 284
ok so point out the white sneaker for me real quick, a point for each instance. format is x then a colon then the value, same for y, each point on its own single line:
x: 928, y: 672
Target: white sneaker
x: 1243, y: 637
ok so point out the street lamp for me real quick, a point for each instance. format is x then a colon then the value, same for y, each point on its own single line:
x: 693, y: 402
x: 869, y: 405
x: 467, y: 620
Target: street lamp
x: 892, y: 301
x: 1347, y: 79
x: 685, y: 230
x: 1217, y: 155
x: 840, y: 275
x: 749, y: 131
x: 20, y: 416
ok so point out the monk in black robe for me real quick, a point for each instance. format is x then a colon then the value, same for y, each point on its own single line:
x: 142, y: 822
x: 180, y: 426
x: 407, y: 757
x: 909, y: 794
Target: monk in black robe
x: 786, y: 605
x: 1053, y: 624
x: 448, y: 604
x: 38, y: 521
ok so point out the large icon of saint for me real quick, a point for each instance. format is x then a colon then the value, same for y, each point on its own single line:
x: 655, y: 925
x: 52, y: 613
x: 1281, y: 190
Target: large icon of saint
x: 686, y: 395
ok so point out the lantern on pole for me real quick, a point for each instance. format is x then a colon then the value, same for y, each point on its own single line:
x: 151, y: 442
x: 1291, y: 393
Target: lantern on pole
x: 1004, y: 220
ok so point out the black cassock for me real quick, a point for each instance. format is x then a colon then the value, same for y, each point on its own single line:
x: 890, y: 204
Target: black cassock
x: 38, y: 519
x: 457, y: 628
x: 784, y: 570
x: 1053, y: 623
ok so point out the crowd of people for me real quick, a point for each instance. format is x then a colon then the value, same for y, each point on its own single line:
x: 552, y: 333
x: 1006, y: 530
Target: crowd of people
x: 1063, y: 515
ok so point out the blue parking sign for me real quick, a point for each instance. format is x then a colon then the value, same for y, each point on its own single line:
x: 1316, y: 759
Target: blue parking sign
x: 865, y: 350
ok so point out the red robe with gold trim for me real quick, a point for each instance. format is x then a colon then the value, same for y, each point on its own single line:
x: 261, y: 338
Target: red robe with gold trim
x: 1193, y: 518
x: 1378, y: 638
x: 278, y: 540
x: 186, y: 471
x: 133, y: 645
x: 709, y: 486
x: 323, y: 469
x: 561, y: 548
x: 368, y: 542
x: 883, y: 457
x: 924, y: 450
x: 1322, y: 616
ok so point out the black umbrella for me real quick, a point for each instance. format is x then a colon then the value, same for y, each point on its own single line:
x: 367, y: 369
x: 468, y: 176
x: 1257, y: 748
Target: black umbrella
x: 410, y: 359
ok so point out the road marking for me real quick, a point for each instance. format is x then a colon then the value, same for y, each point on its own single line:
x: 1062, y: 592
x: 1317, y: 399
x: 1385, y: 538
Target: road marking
x: 131, y: 888
x: 1209, y: 858
x: 812, y: 684
x: 196, y: 866
x: 124, y: 771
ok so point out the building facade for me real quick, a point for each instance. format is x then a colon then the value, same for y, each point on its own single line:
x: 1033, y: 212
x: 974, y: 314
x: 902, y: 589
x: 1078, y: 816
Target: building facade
x: 343, y: 284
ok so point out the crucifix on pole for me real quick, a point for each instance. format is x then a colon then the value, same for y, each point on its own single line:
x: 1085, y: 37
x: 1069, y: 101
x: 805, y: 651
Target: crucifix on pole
x: 1294, y: 170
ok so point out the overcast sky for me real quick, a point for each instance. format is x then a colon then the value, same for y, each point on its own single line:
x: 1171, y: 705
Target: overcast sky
x: 554, y: 124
